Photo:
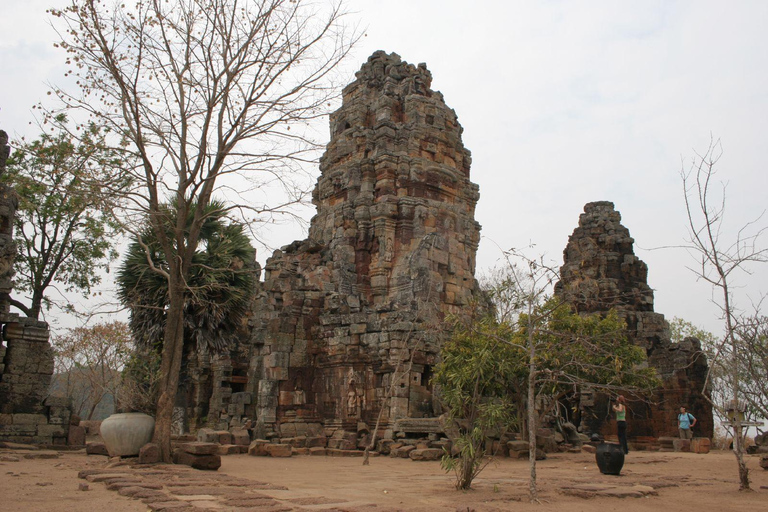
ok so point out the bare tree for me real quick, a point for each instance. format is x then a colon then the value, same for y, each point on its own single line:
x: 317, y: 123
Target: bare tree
x: 211, y: 95
x: 88, y: 364
x: 718, y: 260
x: 752, y: 336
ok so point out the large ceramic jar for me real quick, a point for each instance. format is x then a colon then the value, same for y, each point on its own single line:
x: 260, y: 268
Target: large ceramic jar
x: 610, y: 458
x: 124, y: 434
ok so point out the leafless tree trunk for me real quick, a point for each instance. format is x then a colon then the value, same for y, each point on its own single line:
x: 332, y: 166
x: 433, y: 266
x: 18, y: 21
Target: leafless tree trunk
x: 718, y: 260
x: 210, y: 96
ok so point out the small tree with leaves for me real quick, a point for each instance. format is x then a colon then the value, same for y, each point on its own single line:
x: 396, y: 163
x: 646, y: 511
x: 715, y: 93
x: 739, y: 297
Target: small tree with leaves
x: 477, y: 371
x: 65, y: 227
x: 560, y: 351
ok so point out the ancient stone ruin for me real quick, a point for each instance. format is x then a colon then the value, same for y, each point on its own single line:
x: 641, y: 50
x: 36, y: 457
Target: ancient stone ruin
x: 390, y: 251
x: 601, y: 272
x: 27, y: 413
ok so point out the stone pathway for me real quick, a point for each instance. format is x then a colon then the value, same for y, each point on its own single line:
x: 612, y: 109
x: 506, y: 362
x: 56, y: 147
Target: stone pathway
x: 182, y: 489
x: 608, y: 490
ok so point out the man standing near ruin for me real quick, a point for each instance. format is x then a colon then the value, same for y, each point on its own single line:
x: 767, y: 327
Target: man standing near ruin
x: 685, y: 422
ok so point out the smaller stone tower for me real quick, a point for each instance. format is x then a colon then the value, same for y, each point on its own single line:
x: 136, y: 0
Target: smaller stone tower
x: 600, y: 272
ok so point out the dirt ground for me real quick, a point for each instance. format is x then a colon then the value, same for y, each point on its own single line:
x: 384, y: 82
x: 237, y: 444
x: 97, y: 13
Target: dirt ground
x: 672, y: 481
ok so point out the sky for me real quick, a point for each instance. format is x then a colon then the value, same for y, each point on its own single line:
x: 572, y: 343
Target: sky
x: 563, y: 102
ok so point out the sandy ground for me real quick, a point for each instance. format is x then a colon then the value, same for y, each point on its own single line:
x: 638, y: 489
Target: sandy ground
x: 669, y: 481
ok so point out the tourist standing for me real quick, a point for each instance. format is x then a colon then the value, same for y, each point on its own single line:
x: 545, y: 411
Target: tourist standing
x: 620, y: 408
x: 685, y: 422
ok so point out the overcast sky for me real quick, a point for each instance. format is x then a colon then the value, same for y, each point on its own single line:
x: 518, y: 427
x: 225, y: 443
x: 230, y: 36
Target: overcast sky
x: 562, y: 103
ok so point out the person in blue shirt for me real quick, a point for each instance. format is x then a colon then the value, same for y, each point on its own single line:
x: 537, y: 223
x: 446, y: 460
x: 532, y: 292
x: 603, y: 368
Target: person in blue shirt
x: 685, y: 422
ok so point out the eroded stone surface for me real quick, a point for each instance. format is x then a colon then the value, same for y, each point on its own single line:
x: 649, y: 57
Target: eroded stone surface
x: 390, y: 251
x: 601, y: 272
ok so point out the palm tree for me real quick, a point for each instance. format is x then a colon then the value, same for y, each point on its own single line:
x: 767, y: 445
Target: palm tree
x: 221, y: 283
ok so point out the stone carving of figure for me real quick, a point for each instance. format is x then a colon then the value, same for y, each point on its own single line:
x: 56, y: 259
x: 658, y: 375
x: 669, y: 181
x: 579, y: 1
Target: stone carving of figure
x: 299, y: 397
x: 389, y: 249
x: 353, y: 402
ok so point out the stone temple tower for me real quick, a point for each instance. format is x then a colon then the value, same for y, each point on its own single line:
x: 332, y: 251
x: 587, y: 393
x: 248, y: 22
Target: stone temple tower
x: 390, y: 252
x: 601, y: 272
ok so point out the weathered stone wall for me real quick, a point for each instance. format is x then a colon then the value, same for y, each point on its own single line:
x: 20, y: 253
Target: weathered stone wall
x: 390, y: 251
x: 601, y: 272
x: 27, y: 413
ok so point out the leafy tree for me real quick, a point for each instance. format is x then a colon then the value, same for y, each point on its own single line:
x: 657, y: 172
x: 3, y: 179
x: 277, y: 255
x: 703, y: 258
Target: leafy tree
x: 477, y: 370
x: 88, y: 364
x: 680, y: 329
x: 209, y: 94
x: 65, y: 225
x: 221, y: 283
x: 720, y: 257
x: 545, y: 350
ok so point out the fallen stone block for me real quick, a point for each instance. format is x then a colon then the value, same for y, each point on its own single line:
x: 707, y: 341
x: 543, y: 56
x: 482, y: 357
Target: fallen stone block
x: 160, y: 506
x: 385, y: 446
x: 296, y: 442
x: 588, y: 448
x: 700, y: 445
x: 96, y: 449
x: 279, y: 450
x: 223, y: 437
x: 426, y: 454
x: 317, y: 441
x: 682, y: 445
x: 240, y: 437
x: 149, y: 454
x: 517, y: 446
x: 205, y: 462
x: 257, y: 448
x: 142, y: 492
x: 403, y: 452
x: 316, y: 450
x: 331, y: 452
x: 206, y: 435
x: 228, y: 449
x: 199, y: 448
x: 76, y: 435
